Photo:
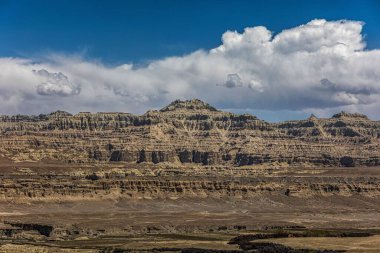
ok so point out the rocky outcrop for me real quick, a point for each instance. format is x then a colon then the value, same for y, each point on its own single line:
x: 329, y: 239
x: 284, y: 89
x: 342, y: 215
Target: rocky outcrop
x: 190, y: 132
x: 44, y: 230
x: 144, y: 182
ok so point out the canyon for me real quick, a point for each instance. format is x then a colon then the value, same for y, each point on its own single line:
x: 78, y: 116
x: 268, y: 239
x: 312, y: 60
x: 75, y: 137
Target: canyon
x: 187, y: 178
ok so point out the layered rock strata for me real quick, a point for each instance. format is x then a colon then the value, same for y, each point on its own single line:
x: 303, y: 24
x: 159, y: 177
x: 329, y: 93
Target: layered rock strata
x: 70, y: 187
x: 190, y: 132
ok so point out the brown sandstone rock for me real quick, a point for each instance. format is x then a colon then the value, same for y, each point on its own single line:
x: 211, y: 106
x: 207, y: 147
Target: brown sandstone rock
x: 190, y: 132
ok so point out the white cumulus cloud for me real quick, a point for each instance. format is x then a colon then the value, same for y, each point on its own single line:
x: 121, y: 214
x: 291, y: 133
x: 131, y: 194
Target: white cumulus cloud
x: 55, y: 84
x: 320, y: 66
x: 233, y: 81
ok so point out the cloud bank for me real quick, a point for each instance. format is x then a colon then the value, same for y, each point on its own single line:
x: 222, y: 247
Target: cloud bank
x: 55, y: 84
x: 321, y: 66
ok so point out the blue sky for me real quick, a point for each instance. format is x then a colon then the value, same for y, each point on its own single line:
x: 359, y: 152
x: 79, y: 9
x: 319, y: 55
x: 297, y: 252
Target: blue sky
x: 140, y: 30
x: 110, y: 35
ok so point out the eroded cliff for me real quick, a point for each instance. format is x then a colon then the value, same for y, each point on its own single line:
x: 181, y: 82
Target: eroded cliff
x: 190, y: 132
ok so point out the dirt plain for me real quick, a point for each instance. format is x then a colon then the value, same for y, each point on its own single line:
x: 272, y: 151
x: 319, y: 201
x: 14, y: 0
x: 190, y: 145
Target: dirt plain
x: 82, y: 217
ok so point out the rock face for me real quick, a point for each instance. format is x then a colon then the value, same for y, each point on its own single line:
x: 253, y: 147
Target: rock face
x: 190, y: 132
x: 187, y: 168
x: 117, y: 185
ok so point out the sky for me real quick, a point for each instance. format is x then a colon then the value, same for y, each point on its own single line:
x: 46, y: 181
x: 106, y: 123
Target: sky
x: 278, y: 60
